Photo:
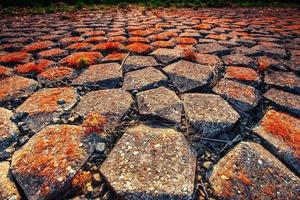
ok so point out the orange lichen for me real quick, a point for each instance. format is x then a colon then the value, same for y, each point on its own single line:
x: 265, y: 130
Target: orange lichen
x: 284, y: 126
x: 185, y: 40
x: 162, y: 44
x: 96, y: 39
x: 51, y: 52
x: 94, y: 123
x: 263, y: 63
x: 36, y: 66
x: 5, y: 72
x: 217, y: 36
x: 56, y: 73
x: 69, y: 40
x: 137, y: 39
x: 139, y: 48
x: 108, y: 46
x: 76, y: 59
x: 15, y: 57
x: 117, y: 38
x: 80, y: 46
x: 189, y: 55
x: 94, y: 33
x: 81, y: 179
x: 38, y: 46
x: 241, y: 73
x: 204, y: 27
x: 269, y: 190
x: 141, y: 33
x: 115, y: 56
x: 243, y: 177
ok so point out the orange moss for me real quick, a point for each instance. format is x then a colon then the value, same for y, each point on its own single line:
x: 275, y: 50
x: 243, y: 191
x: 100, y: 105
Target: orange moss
x: 283, y: 126
x: 139, y: 48
x: 185, y: 40
x: 163, y: 44
x: 80, y: 45
x: 76, y: 59
x: 36, y: 66
x: 15, y: 57
x: 137, y: 39
x: 241, y: 73
x: 81, y: 179
x: 94, y: 123
x: 38, y: 46
x: 56, y: 73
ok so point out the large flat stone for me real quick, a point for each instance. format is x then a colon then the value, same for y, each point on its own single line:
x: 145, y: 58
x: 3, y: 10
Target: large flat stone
x: 251, y: 172
x: 282, y: 132
x: 137, y: 62
x: 213, y: 48
x: 285, y: 80
x: 160, y: 102
x: 45, y: 105
x: 238, y: 60
x: 8, y: 189
x: 289, y: 101
x: 113, y: 104
x: 242, y: 97
x: 103, y: 75
x: 167, y: 56
x: 151, y: 162
x: 143, y: 79
x: 187, y: 75
x: 209, y: 113
x: 46, y: 164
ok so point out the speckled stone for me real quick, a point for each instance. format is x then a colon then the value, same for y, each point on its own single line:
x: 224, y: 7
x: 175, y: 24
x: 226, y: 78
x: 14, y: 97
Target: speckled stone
x: 281, y: 131
x: 250, y: 172
x: 187, y: 75
x: 103, y: 75
x: 137, y: 62
x: 160, y: 102
x: 151, y: 162
x: 167, y: 56
x: 285, y: 80
x: 213, y: 48
x: 8, y: 189
x: 239, y: 60
x: 112, y: 104
x: 209, y: 113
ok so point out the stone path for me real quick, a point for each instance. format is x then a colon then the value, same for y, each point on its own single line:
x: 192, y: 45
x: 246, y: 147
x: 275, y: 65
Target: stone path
x: 151, y: 104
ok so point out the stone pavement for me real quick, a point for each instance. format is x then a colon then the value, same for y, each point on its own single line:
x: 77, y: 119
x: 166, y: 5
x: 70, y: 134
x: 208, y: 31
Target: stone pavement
x: 151, y: 104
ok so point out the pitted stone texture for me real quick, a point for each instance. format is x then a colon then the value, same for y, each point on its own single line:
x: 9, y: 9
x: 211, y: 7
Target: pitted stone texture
x: 281, y: 131
x: 45, y: 105
x: 8, y: 130
x: 8, y: 189
x: 289, y: 101
x: 285, y: 80
x: 242, y: 97
x: 103, y: 75
x: 251, y: 172
x: 160, y: 102
x: 213, y: 48
x: 167, y: 56
x: 143, y: 79
x: 243, y: 74
x: 239, y: 60
x: 151, y: 162
x: 188, y: 75
x: 113, y: 104
x: 137, y: 62
x: 16, y: 87
x: 209, y: 113
x: 46, y: 164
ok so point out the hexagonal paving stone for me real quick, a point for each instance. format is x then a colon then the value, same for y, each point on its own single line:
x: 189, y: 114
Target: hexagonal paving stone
x: 103, y: 75
x: 242, y: 97
x: 46, y: 164
x: 285, y: 80
x: 137, y: 62
x: 243, y: 74
x: 167, y: 56
x: 8, y: 189
x: 143, y: 79
x: 81, y: 59
x: 188, y: 75
x: 113, y: 104
x: 281, y: 131
x: 160, y: 102
x: 213, y: 48
x: 45, y: 105
x: 209, y: 113
x: 8, y: 131
x: 286, y: 100
x: 15, y: 57
x: 238, y: 60
x: 251, y: 172
x: 15, y: 88
x: 151, y: 162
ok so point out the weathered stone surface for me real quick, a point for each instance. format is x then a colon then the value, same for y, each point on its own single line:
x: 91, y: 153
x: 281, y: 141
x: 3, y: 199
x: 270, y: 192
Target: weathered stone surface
x: 264, y: 63
x: 36, y: 66
x: 243, y: 74
x: 81, y: 59
x: 188, y: 75
x: 281, y: 131
x: 285, y: 80
x: 213, y: 48
x: 46, y: 164
x: 167, y: 56
x: 243, y: 97
x: 289, y: 101
x: 113, y: 104
x: 101, y: 75
x: 16, y: 87
x: 53, y: 53
x: 144, y: 79
x: 138, y: 48
x: 8, y: 130
x: 209, y: 113
x: 160, y: 102
x: 251, y: 172
x: 151, y: 162
x: 15, y: 57
x: 238, y: 60
x: 8, y: 189
x: 45, y: 105
x: 56, y: 75
x: 137, y: 62
x: 5, y: 72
